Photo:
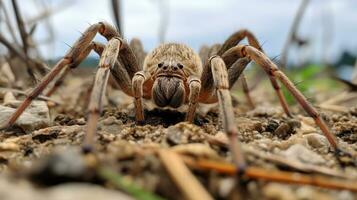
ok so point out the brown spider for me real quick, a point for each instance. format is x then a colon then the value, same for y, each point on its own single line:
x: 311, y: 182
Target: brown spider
x: 172, y: 75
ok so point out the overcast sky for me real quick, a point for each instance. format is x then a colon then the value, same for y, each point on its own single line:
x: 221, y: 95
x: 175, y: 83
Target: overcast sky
x: 198, y: 22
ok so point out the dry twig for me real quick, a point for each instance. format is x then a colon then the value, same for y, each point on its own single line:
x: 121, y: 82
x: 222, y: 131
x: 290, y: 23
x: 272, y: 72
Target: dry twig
x: 293, y: 33
x: 40, y: 97
x: 277, y: 176
x: 181, y: 175
x: 307, y: 168
x: 116, y: 6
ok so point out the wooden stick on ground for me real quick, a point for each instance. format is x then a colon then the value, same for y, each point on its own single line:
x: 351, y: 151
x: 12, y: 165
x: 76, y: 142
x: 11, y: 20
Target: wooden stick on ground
x: 281, y: 161
x: 271, y: 175
x: 181, y: 175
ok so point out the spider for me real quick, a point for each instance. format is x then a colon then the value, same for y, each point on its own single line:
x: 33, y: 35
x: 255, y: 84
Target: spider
x: 172, y: 75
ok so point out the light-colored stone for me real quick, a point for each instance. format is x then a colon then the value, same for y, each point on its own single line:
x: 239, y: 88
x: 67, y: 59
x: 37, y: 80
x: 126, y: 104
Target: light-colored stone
x: 317, y: 141
x: 119, y: 98
x: 14, y: 190
x: 301, y: 153
x: 262, y: 110
x: 7, y: 77
x: 35, y: 117
x: 9, y: 146
x: 308, y: 193
x: 9, y: 97
x: 278, y: 192
x: 196, y: 149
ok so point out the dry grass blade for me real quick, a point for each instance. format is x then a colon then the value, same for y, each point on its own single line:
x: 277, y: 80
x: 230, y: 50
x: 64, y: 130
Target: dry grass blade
x: 277, y: 176
x: 351, y: 86
x: 308, y: 168
x: 42, y: 68
x: 21, y: 26
x: 48, y: 12
x: 8, y: 23
x: 40, y: 97
x: 26, y: 38
x: 181, y: 175
x: 338, y: 102
x: 11, y: 48
x: 297, y: 178
x: 117, y: 17
x: 334, y: 108
x: 303, y: 167
x: 126, y: 185
x: 292, y: 33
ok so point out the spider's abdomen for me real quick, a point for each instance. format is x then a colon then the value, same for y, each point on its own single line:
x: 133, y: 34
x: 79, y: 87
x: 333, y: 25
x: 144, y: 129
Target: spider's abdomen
x: 168, y: 91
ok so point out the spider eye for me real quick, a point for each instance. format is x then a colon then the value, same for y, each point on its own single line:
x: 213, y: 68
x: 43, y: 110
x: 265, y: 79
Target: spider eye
x: 180, y: 65
x: 160, y: 65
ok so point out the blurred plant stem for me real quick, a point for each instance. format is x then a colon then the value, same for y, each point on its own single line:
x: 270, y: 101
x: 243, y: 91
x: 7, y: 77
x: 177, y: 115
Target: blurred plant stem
x: 116, y: 8
x: 120, y: 182
x: 292, y: 36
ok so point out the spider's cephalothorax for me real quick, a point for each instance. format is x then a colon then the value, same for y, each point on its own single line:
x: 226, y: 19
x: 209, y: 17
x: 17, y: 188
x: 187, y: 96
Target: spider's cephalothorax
x: 170, y: 65
x: 172, y: 75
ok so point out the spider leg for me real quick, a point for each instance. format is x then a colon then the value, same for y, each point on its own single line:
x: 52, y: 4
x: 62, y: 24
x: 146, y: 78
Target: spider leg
x: 128, y: 59
x: 138, y: 49
x: 195, y: 87
x: 204, y: 52
x: 220, y: 78
x: 238, y: 67
x: 230, y: 59
x: 118, y: 71
x: 232, y: 54
x: 72, y: 58
x: 235, y: 72
x: 246, y: 91
x: 107, y: 61
x: 137, y: 82
x: 261, y: 59
x: 237, y: 37
x: 122, y: 78
x: 58, y: 82
x: 98, y: 47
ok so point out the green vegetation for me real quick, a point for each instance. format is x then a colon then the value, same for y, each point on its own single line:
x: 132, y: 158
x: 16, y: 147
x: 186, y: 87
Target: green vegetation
x: 126, y: 185
x: 308, y: 80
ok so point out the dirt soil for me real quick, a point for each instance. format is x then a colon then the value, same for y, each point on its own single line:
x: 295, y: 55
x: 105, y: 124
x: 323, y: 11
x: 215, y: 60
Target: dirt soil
x: 46, y: 160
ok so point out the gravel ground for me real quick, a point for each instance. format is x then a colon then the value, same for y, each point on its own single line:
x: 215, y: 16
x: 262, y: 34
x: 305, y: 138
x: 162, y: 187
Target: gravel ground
x: 46, y: 160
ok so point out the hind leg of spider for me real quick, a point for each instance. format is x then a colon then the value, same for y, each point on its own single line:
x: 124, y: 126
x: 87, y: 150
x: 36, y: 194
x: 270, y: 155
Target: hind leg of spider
x: 243, y: 171
x: 261, y: 59
x: 237, y: 37
x: 246, y: 91
x: 230, y: 58
x: 230, y: 61
x: 236, y: 72
x: 138, y: 49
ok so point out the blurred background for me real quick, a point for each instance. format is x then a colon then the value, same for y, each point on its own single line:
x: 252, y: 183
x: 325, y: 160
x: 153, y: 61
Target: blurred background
x: 296, y: 33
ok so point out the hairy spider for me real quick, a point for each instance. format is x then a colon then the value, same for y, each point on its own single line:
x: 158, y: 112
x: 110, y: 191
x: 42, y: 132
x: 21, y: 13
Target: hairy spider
x: 172, y: 75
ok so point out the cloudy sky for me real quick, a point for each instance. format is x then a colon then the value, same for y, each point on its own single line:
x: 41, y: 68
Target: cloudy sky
x: 198, y: 22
